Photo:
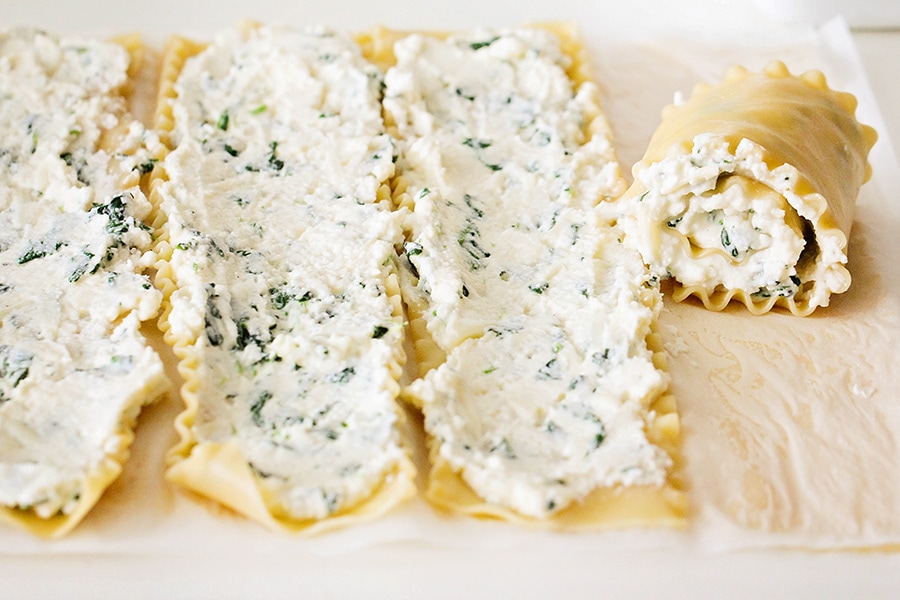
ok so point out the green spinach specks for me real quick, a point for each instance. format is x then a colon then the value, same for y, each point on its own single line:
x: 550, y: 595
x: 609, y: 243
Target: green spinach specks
x: 342, y: 376
x: 257, y: 406
x: 39, y: 249
x: 275, y: 163
x: 483, y: 44
x: 468, y: 239
x: 115, y: 212
x: 412, y: 248
x: 213, y: 320
x: 14, y: 365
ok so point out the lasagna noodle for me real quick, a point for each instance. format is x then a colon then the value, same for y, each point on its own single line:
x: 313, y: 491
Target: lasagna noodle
x: 232, y: 434
x: 747, y: 191
x: 76, y: 368
x: 463, y: 306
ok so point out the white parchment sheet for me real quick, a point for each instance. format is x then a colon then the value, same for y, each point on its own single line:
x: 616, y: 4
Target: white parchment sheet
x: 790, y: 424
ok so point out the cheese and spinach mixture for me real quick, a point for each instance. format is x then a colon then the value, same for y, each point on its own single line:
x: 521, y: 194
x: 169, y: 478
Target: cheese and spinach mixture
x: 723, y: 227
x: 542, y: 313
x: 282, y: 252
x: 74, y: 367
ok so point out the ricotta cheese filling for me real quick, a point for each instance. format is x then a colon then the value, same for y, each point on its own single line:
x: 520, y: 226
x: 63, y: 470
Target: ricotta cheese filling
x: 283, y: 249
x: 714, y: 218
x: 74, y: 367
x: 540, y: 310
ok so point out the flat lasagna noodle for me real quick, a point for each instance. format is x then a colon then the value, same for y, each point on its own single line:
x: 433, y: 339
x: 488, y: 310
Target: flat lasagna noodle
x: 527, y: 314
x: 747, y: 191
x: 278, y: 266
x: 76, y: 369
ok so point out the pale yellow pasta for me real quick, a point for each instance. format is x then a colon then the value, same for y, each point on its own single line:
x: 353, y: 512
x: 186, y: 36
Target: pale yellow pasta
x: 221, y: 467
x: 67, y: 417
x: 614, y: 505
x: 747, y: 191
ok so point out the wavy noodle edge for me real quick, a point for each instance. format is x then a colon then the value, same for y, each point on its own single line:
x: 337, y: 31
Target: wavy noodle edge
x: 799, y: 193
x: 604, y: 508
x: 95, y: 482
x: 377, y: 44
x: 218, y: 471
x: 788, y: 181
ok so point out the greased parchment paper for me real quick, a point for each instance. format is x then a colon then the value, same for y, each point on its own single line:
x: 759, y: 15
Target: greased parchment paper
x: 790, y: 424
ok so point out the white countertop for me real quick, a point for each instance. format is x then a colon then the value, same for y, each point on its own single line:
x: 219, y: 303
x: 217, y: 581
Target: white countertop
x: 880, y: 54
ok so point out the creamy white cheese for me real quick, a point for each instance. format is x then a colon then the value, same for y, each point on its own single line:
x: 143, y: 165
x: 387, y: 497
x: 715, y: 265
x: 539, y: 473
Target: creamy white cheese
x: 281, y: 256
x: 713, y: 217
x: 74, y: 368
x: 542, y: 313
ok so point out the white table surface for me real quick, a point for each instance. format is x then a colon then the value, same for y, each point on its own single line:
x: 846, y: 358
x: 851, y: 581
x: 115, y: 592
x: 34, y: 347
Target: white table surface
x: 397, y: 570
x: 880, y: 54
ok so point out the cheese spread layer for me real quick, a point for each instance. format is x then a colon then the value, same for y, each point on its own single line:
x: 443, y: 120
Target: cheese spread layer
x: 721, y: 226
x: 541, y: 313
x: 74, y: 368
x: 282, y: 254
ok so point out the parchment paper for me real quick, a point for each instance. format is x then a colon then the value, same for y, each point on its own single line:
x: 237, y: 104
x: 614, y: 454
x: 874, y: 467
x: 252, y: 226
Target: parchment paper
x: 790, y: 424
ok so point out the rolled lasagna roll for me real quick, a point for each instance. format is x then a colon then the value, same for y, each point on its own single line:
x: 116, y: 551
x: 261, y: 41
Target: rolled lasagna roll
x: 544, y: 401
x: 278, y: 267
x: 75, y: 369
x: 747, y: 191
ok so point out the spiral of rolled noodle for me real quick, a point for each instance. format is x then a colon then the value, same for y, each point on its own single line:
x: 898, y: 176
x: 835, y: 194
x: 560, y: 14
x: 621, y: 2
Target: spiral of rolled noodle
x: 747, y: 191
